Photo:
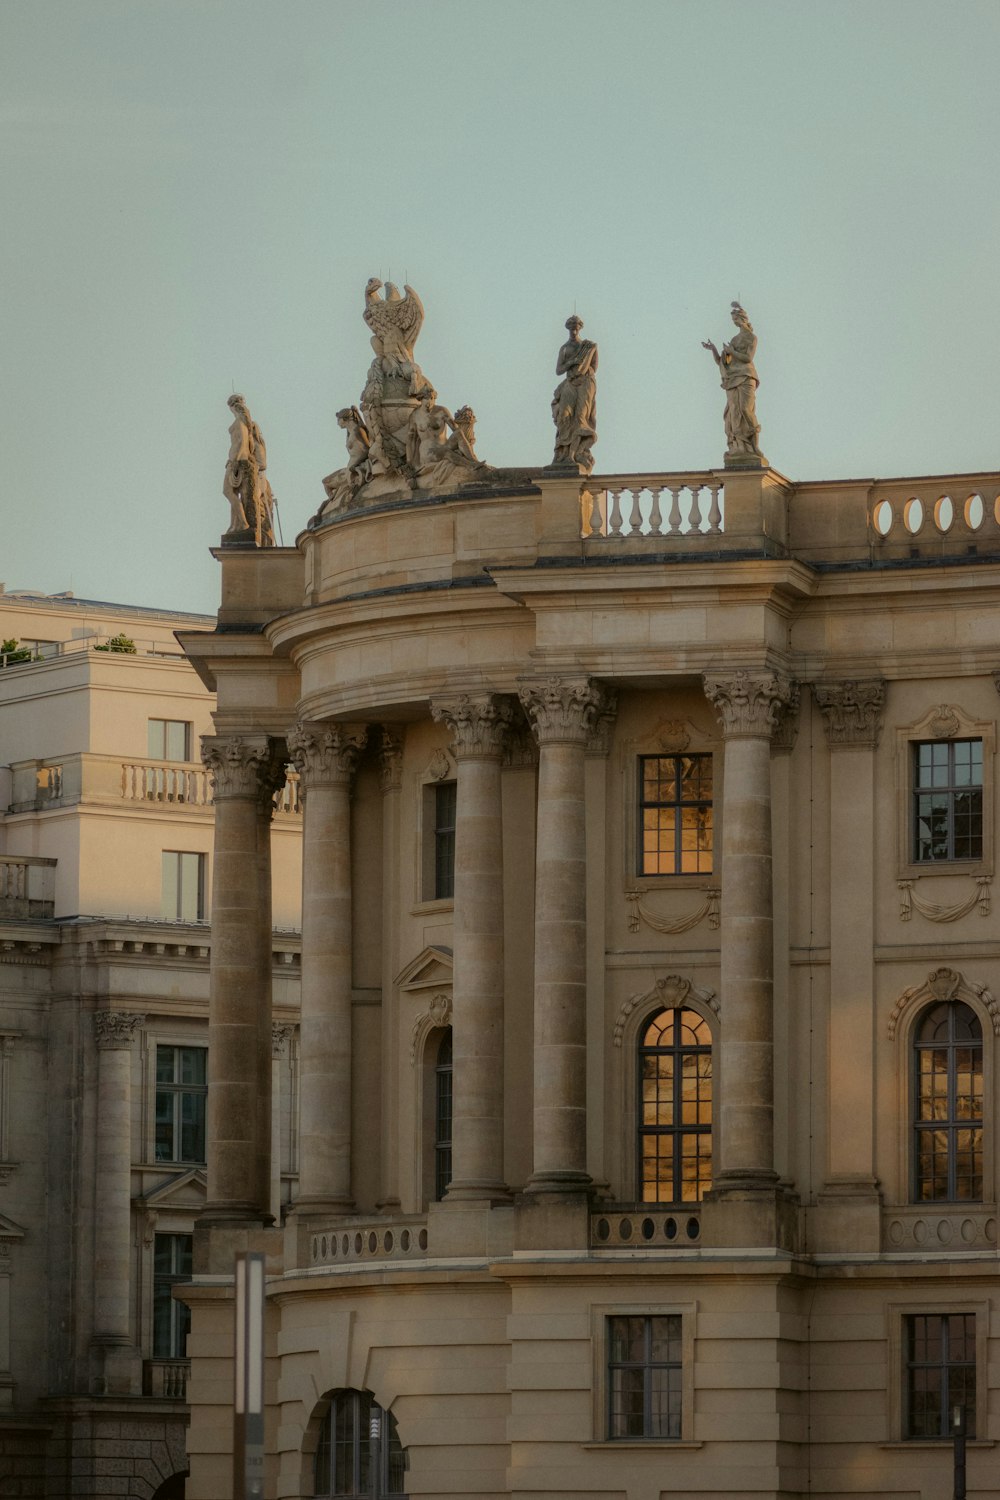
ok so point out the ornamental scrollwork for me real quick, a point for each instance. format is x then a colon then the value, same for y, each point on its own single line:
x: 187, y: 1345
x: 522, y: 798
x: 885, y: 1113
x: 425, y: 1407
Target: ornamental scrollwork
x: 479, y: 722
x: 852, y: 711
x: 566, y: 710
x: 437, y: 1014
x: 944, y: 984
x: 325, y: 753
x: 671, y: 993
x: 114, y: 1029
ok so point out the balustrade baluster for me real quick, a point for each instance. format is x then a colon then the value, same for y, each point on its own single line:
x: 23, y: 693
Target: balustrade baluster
x: 596, y: 522
x: 675, y: 509
x: 614, y: 513
x: 714, y: 511
x: 694, y: 517
x: 635, y: 528
x: 655, y: 519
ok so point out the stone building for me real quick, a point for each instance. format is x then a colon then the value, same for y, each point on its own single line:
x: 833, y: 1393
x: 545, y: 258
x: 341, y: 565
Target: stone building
x: 648, y: 1068
x: 106, y: 833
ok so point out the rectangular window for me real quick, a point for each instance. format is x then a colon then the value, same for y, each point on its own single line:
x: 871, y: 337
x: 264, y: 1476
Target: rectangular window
x: 644, y: 1377
x: 948, y: 800
x: 183, y: 886
x: 169, y: 739
x: 940, y: 1373
x: 445, y: 805
x: 181, y: 1090
x: 171, y: 1319
x: 675, y: 815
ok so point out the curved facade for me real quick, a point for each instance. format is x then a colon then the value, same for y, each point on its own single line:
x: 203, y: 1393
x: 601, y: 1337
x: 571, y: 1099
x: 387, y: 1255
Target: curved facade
x: 660, y: 808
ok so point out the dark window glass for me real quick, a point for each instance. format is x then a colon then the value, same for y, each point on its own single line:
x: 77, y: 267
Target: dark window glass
x: 948, y: 1105
x: 171, y: 1319
x: 940, y: 1373
x: 948, y: 800
x: 675, y: 1108
x: 445, y: 803
x: 343, y: 1453
x: 442, y: 1116
x: 181, y: 1091
x: 644, y: 1377
x: 675, y: 815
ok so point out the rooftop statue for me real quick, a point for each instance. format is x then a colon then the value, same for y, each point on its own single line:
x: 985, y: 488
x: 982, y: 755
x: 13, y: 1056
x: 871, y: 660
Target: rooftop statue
x: 400, y: 442
x: 740, y: 382
x: 574, y: 404
x: 245, y: 483
x: 395, y: 323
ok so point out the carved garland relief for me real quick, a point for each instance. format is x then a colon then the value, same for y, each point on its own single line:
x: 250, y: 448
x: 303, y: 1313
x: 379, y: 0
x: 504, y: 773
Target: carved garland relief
x: 672, y: 992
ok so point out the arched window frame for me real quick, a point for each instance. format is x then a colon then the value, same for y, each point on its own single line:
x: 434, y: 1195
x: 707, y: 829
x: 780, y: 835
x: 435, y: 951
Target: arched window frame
x: 634, y: 1015
x: 904, y: 1021
x: 323, y: 1417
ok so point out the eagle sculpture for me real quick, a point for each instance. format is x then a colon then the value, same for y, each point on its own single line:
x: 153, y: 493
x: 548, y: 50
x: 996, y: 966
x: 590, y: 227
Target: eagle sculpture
x: 395, y: 323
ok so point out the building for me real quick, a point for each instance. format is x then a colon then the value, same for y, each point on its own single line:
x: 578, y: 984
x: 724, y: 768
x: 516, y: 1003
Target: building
x: 648, y: 1068
x: 106, y: 871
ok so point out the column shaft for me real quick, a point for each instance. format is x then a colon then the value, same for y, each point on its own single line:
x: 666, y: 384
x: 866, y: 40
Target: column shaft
x: 113, y: 1178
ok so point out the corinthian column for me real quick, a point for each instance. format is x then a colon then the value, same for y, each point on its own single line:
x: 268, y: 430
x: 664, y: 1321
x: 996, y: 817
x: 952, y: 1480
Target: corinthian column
x: 114, y: 1031
x: 749, y: 705
x: 480, y: 724
x: 852, y: 714
x: 563, y: 713
x: 246, y: 770
x: 325, y: 756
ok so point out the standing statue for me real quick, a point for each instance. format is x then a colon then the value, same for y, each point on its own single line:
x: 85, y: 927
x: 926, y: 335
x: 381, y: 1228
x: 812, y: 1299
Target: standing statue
x: 574, y: 404
x: 342, y: 484
x: 245, y: 483
x: 740, y: 382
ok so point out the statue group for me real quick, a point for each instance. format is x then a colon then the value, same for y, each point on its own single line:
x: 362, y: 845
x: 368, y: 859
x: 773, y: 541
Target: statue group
x: 402, y: 442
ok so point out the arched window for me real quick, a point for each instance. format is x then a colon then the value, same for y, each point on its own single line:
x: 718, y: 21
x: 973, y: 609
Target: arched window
x: 675, y: 1111
x: 948, y: 1105
x: 345, y: 1448
x: 442, y: 1116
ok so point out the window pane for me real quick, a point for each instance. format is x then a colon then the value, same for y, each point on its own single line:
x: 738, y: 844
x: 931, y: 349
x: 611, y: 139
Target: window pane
x: 675, y: 814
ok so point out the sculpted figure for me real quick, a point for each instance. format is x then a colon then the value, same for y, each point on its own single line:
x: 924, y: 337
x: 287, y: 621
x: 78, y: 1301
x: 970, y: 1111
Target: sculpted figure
x: 428, y: 430
x: 395, y: 323
x: 457, y: 463
x: 574, y: 404
x: 245, y: 483
x: 739, y: 381
x: 343, y: 483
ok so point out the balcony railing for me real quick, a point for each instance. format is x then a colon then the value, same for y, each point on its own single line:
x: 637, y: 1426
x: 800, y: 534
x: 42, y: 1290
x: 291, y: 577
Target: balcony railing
x: 372, y: 1240
x: 944, y: 508
x: 27, y: 887
x: 166, y: 1378
x: 665, y: 506
x: 647, y: 1229
x: 166, y: 781
x: 103, y: 778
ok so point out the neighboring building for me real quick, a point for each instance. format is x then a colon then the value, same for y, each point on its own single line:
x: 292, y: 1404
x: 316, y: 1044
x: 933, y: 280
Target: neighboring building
x: 106, y: 836
x: 649, y: 1068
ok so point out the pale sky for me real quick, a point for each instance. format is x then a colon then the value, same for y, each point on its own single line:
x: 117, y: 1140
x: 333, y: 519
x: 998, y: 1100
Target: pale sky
x: 194, y: 193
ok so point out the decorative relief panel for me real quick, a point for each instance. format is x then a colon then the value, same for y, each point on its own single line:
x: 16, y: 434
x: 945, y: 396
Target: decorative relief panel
x: 910, y: 901
x: 707, y: 908
x: 852, y: 711
x: 437, y: 1014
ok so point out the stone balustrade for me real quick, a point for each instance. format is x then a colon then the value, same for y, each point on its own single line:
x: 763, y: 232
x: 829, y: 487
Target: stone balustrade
x: 107, y: 778
x: 652, y: 506
x: 650, y: 1229
x: 165, y: 1379
x: 961, y: 508
x: 354, y: 1240
x: 27, y: 887
x: 166, y: 781
x: 943, y: 1227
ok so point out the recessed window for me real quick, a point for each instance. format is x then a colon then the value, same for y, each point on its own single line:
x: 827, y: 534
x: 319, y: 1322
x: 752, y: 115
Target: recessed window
x: 181, y: 1091
x: 343, y: 1465
x: 948, y: 800
x: 171, y: 1319
x: 169, y: 739
x: 675, y: 1123
x: 948, y: 1098
x: 644, y: 1377
x: 183, y: 886
x: 940, y: 1373
x: 445, y: 806
x: 675, y: 815
x: 442, y: 1115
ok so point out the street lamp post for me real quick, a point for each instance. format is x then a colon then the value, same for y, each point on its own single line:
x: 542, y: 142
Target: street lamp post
x: 958, y: 1435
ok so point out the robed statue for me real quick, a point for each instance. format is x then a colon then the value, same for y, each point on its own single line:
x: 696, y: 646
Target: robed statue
x: 739, y: 381
x: 574, y: 404
x: 245, y: 483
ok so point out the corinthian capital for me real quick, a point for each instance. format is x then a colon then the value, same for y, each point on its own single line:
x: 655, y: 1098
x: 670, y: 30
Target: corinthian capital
x: 324, y: 753
x: 480, y: 723
x: 749, y: 704
x: 114, y: 1029
x: 852, y: 711
x: 566, y: 710
x: 390, y: 759
x: 243, y: 765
